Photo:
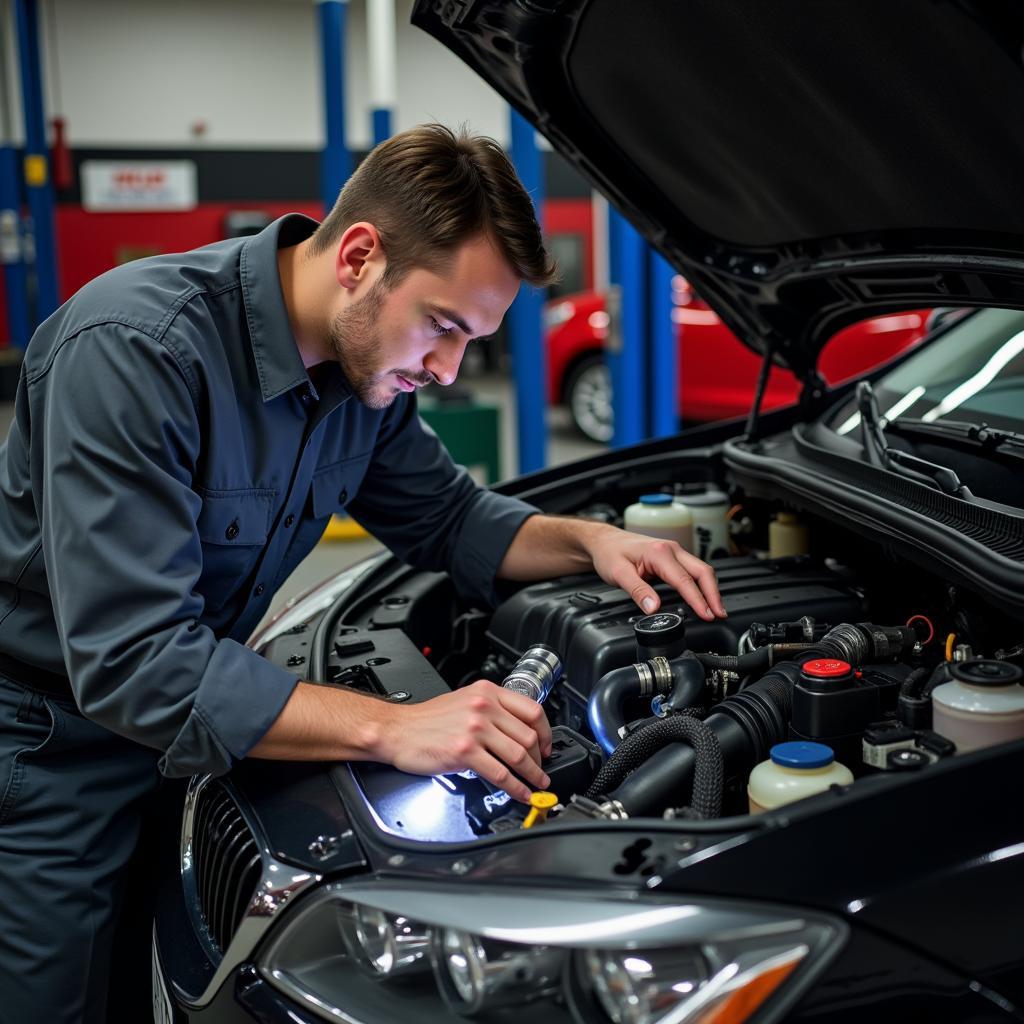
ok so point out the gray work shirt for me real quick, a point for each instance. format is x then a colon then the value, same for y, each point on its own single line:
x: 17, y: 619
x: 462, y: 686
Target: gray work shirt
x: 170, y: 464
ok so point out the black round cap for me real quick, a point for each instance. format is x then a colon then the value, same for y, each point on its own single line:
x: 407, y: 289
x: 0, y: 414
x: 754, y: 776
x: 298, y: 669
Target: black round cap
x: 906, y: 759
x: 987, y: 672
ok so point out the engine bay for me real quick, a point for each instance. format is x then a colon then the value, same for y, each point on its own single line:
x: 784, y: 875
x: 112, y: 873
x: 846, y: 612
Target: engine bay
x: 836, y: 663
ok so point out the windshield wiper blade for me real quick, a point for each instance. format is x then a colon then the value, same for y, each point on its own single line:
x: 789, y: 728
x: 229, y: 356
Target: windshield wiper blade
x: 879, y: 453
x: 957, y: 430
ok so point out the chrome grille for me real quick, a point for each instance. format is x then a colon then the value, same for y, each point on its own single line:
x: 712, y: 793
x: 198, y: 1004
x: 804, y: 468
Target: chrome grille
x: 226, y: 860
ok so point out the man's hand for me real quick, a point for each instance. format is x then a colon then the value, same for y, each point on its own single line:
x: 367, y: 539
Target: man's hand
x: 628, y: 560
x: 547, y: 546
x: 481, y: 726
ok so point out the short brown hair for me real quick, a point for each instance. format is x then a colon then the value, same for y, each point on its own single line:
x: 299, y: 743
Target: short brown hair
x: 427, y: 190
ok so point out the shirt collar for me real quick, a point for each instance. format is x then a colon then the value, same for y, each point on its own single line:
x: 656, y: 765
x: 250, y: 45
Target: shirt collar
x: 278, y: 361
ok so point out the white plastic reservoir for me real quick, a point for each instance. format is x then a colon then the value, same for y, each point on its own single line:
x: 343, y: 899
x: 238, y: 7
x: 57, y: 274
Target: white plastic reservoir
x: 656, y: 515
x: 983, y: 704
x: 793, y: 771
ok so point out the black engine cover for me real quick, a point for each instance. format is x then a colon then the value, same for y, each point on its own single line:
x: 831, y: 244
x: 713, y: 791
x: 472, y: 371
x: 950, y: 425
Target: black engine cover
x: 590, y: 624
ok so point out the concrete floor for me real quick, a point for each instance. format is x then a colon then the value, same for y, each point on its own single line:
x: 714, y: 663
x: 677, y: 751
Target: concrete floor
x: 565, y: 445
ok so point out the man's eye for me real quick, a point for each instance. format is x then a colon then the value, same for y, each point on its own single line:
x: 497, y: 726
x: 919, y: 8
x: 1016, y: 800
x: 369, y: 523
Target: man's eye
x: 437, y: 328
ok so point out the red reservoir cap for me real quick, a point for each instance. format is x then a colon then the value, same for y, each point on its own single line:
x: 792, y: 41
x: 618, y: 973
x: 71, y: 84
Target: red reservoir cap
x: 827, y: 668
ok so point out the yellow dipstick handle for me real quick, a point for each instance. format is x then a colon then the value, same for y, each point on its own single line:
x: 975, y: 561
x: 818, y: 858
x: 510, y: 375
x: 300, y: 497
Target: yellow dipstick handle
x: 540, y: 803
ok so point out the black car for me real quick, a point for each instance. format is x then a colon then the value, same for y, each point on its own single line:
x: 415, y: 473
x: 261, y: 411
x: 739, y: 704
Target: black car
x: 855, y: 157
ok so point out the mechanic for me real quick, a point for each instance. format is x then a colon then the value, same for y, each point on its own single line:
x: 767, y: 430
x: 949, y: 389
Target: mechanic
x: 184, y: 428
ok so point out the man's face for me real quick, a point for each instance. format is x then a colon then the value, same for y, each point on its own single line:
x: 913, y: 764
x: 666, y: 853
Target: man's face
x: 393, y: 341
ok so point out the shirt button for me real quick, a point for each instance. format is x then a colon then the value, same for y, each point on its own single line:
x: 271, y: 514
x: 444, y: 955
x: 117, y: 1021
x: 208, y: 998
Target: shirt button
x: 259, y: 589
x: 232, y: 531
x: 288, y: 521
x: 343, y: 497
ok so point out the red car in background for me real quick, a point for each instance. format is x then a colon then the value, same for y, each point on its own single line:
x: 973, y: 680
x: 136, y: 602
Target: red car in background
x: 717, y: 373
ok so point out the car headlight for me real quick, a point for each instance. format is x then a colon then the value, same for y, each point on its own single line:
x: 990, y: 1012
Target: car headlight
x: 384, y: 945
x: 577, y: 957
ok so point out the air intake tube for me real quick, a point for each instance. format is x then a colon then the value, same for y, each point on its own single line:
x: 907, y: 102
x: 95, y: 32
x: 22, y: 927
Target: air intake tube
x: 745, y: 725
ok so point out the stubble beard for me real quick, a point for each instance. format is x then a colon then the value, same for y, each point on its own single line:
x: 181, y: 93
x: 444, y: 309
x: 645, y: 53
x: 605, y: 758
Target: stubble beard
x: 354, y: 338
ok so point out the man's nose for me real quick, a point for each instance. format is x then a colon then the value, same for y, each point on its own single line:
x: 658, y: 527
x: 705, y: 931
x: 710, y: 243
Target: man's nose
x: 445, y: 360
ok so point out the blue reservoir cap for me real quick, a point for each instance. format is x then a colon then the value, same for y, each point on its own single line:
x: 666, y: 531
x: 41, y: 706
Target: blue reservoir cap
x: 655, y: 499
x: 801, y: 754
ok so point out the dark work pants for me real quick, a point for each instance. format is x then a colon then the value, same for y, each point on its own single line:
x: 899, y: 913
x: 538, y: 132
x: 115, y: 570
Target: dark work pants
x: 72, y: 797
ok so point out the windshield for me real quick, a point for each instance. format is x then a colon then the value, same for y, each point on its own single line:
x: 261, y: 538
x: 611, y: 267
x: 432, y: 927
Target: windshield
x: 973, y: 374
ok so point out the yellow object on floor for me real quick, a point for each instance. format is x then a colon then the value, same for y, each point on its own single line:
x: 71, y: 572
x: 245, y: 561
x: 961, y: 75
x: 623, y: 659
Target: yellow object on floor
x: 343, y: 528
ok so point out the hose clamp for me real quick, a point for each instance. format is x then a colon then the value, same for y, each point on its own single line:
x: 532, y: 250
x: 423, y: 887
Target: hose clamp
x: 612, y: 810
x: 646, y: 677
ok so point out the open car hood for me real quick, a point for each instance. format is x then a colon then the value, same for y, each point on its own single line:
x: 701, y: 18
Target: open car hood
x: 805, y: 165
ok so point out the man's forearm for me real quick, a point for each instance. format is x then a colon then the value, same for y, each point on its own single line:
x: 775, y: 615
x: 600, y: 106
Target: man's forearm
x: 321, y: 723
x: 482, y: 726
x: 547, y: 546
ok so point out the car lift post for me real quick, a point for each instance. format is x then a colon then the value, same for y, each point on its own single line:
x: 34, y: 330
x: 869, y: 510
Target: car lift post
x: 380, y: 30
x: 627, y: 258
x: 524, y: 318
x: 38, y: 186
x: 664, y: 363
x: 336, y: 161
x: 12, y: 252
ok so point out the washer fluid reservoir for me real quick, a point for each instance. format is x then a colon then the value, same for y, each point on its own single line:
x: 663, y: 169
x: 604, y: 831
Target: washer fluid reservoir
x: 793, y: 771
x: 656, y: 515
x: 983, y: 704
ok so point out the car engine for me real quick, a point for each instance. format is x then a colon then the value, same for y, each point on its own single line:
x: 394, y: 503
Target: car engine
x: 665, y: 715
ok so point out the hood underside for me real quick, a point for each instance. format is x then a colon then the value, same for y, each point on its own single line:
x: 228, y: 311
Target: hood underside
x: 806, y: 165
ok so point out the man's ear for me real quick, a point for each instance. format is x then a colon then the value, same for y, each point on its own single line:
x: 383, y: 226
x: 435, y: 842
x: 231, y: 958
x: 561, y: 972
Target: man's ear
x: 359, y: 249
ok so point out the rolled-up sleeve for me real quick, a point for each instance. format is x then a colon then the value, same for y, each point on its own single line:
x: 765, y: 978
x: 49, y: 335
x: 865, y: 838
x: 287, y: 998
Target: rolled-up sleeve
x: 429, y: 511
x: 118, y: 450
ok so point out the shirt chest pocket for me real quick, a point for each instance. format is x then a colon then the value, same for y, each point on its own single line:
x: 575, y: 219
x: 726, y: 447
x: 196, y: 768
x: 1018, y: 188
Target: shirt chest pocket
x: 336, y: 485
x: 233, y: 528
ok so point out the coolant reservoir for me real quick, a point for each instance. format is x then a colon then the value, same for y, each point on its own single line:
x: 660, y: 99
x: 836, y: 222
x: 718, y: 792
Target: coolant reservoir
x: 710, y: 526
x: 656, y: 515
x: 786, y: 536
x: 983, y: 704
x: 793, y: 771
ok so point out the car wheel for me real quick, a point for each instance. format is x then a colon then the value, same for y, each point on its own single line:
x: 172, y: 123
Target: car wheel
x: 588, y: 394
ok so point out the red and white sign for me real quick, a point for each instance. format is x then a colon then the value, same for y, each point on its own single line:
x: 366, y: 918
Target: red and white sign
x: 138, y: 185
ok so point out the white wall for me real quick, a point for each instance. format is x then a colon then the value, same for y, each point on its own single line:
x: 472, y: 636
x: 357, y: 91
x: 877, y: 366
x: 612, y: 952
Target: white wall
x: 141, y: 73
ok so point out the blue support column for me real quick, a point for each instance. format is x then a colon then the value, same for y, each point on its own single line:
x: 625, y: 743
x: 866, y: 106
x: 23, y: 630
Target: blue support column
x: 381, y: 125
x: 525, y: 319
x: 12, y: 251
x: 627, y: 258
x: 382, y: 55
x: 38, y: 186
x: 664, y: 368
x: 336, y: 161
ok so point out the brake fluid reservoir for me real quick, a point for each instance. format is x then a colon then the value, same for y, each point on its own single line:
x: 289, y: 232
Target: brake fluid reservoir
x: 793, y: 771
x: 710, y: 526
x: 786, y: 536
x: 656, y: 515
x: 983, y: 704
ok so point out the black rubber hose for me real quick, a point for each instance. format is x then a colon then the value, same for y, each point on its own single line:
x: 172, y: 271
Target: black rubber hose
x: 606, y: 707
x: 688, y: 683
x: 635, y: 750
x: 754, y: 661
x: 911, y: 684
x: 607, y: 700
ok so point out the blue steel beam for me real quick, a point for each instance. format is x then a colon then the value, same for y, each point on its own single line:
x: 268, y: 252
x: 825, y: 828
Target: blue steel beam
x: 38, y: 186
x: 627, y: 260
x: 525, y: 319
x: 381, y: 125
x: 12, y: 251
x: 664, y: 368
x: 336, y: 161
